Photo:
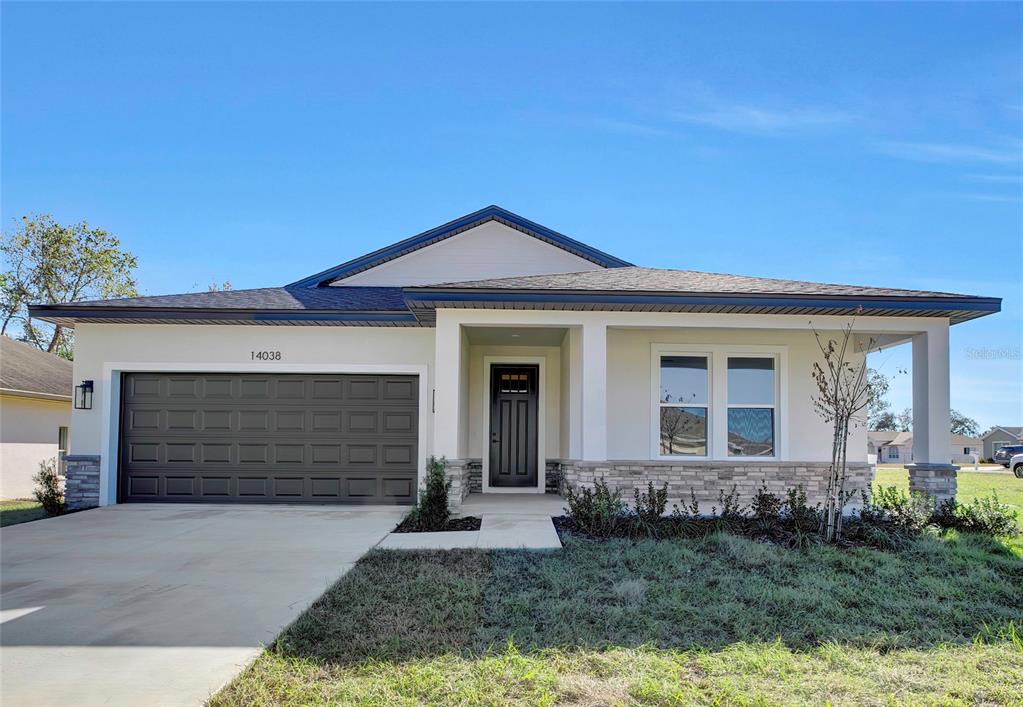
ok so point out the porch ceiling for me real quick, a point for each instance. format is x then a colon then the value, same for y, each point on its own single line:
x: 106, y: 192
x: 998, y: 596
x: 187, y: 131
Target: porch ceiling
x: 516, y: 336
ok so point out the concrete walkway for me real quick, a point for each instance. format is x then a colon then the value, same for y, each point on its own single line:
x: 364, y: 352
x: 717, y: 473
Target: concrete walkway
x: 509, y: 522
x: 162, y: 604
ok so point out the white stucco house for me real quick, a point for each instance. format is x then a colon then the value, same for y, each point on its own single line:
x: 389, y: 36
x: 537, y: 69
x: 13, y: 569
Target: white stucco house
x: 35, y: 414
x: 525, y: 358
x: 897, y: 447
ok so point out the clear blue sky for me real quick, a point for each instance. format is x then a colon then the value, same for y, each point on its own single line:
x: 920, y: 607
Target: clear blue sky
x: 867, y: 144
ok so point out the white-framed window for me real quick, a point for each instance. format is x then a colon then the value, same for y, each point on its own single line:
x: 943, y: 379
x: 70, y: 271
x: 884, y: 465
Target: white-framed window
x: 893, y: 452
x: 722, y: 402
x: 967, y: 450
x: 684, y: 401
x: 752, y: 403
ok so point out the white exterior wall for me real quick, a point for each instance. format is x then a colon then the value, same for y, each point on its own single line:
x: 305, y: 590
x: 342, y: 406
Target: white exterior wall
x: 102, y: 351
x: 629, y: 397
x: 488, y: 251
x: 28, y: 437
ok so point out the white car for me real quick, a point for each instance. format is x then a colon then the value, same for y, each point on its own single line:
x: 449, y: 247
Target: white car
x: 1016, y: 464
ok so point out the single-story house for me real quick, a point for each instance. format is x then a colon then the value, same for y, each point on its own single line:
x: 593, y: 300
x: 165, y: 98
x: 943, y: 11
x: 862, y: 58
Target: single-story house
x: 525, y: 358
x: 35, y: 414
x: 897, y: 447
x: 1001, y: 436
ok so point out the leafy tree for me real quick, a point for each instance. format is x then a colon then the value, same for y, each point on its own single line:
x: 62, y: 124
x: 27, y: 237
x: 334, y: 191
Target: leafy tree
x: 46, y: 262
x: 963, y: 425
x: 904, y: 421
x: 217, y: 287
x: 879, y: 410
x: 885, y: 421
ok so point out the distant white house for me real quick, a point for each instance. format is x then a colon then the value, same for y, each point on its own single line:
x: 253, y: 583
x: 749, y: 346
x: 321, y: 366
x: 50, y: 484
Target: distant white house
x: 897, y: 447
x: 35, y: 413
x: 1001, y: 436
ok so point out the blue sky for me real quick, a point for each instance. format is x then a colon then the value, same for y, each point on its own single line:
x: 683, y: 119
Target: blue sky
x: 868, y: 144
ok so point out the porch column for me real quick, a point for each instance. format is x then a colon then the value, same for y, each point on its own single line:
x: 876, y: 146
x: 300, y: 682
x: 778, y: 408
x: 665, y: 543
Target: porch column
x: 594, y: 389
x: 932, y: 471
x: 446, y: 380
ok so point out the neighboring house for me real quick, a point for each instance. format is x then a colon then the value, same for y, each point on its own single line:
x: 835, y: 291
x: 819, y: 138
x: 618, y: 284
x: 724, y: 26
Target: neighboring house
x: 897, y: 447
x: 1001, y: 436
x: 35, y: 413
x: 525, y: 358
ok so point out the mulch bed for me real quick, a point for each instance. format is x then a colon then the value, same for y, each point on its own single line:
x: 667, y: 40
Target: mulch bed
x: 453, y: 525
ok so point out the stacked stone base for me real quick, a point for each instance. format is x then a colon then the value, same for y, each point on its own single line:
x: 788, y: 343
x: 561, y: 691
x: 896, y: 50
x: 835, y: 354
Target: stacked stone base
x: 708, y: 480
x: 936, y: 480
x: 81, y: 481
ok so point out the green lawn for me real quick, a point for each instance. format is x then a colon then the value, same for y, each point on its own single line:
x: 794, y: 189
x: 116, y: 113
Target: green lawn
x: 969, y: 485
x: 21, y: 511
x: 721, y: 620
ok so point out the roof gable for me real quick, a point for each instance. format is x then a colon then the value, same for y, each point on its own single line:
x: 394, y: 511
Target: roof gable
x: 454, y: 228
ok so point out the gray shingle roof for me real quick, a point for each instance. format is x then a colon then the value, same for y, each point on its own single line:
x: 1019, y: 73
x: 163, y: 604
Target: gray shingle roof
x: 26, y: 369
x: 356, y: 299
x: 639, y: 279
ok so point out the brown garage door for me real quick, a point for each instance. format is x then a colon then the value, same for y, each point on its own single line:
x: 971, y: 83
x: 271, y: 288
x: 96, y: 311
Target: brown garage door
x: 283, y: 438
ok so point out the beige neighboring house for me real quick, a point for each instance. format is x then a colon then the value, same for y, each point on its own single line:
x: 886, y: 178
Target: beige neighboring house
x: 897, y: 447
x: 1001, y: 436
x: 35, y: 413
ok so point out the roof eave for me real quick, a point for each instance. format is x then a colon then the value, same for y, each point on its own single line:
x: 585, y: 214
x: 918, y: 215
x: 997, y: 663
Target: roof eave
x: 62, y: 314
x: 958, y: 308
x: 34, y: 395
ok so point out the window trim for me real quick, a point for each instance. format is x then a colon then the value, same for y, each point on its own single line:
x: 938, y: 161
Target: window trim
x: 717, y: 407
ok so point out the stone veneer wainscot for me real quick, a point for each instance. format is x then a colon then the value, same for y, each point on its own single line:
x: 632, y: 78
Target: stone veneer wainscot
x: 81, y: 481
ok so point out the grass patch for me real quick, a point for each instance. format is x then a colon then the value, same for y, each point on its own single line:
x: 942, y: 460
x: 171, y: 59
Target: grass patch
x: 969, y: 485
x: 717, y: 620
x: 20, y: 511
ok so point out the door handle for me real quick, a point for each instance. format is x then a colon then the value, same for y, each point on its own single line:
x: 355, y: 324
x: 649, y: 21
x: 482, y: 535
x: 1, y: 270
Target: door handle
x: 494, y: 439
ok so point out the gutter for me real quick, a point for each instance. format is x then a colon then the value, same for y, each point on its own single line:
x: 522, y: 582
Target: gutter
x: 35, y: 395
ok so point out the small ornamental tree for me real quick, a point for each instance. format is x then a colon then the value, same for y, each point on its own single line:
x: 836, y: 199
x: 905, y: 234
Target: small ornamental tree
x: 843, y: 393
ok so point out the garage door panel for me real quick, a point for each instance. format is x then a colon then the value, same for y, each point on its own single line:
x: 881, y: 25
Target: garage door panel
x: 276, y: 438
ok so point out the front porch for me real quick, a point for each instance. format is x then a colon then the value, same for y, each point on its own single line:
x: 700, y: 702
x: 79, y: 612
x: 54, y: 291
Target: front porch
x: 595, y: 397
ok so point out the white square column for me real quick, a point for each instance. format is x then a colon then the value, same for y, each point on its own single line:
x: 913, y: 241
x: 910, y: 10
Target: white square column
x: 594, y: 391
x: 447, y: 381
x: 931, y: 401
x: 932, y: 471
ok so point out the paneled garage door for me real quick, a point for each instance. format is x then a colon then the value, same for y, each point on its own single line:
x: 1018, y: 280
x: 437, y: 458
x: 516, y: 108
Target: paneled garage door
x: 282, y: 438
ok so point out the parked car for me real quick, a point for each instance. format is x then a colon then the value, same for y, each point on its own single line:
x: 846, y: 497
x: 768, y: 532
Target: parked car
x: 1016, y: 463
x: 1003, y: 455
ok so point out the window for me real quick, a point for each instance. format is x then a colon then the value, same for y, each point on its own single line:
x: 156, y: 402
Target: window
x: 751, y: 406
x: 683, y: 400
x: 893, y: 452
x: 61, y: 449
x: 967, y: 450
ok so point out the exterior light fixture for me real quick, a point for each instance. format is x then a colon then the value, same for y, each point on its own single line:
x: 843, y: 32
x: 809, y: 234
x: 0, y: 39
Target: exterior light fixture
x: 83, y: 396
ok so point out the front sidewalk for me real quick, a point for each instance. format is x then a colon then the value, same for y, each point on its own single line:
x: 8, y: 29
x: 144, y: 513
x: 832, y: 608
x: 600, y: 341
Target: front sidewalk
x: 510, y: 522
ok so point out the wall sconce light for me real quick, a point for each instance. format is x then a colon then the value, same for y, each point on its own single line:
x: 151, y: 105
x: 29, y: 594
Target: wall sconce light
x: 83, y: 396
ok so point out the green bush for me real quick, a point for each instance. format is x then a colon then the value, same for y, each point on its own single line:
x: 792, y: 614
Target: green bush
x: 888, y: 504
x: 986, y: 515
x: 49, y: 490
x: 431, y: 512
x: 597, y: 511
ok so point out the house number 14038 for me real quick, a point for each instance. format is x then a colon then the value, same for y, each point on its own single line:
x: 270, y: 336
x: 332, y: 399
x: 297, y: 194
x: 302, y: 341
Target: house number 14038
x: 266, y: 355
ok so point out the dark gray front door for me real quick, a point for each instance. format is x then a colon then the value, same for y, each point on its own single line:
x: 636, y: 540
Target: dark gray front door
x: 268, y: 438
x: 513, y: 425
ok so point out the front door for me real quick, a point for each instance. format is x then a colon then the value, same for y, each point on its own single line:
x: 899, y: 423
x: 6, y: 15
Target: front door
x: 513, y: 425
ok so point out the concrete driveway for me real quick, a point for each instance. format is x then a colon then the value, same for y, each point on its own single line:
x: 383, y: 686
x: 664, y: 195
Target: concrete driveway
x: 162, y: 604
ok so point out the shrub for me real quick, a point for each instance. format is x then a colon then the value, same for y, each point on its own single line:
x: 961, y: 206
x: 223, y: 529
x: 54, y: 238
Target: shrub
x: 804, y: 518
x: 650, y: 506
x: 597, y: 511
x: 985, y: 515
x: 49, y: 490
x: 912, y: 513
x: 431, y: 512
